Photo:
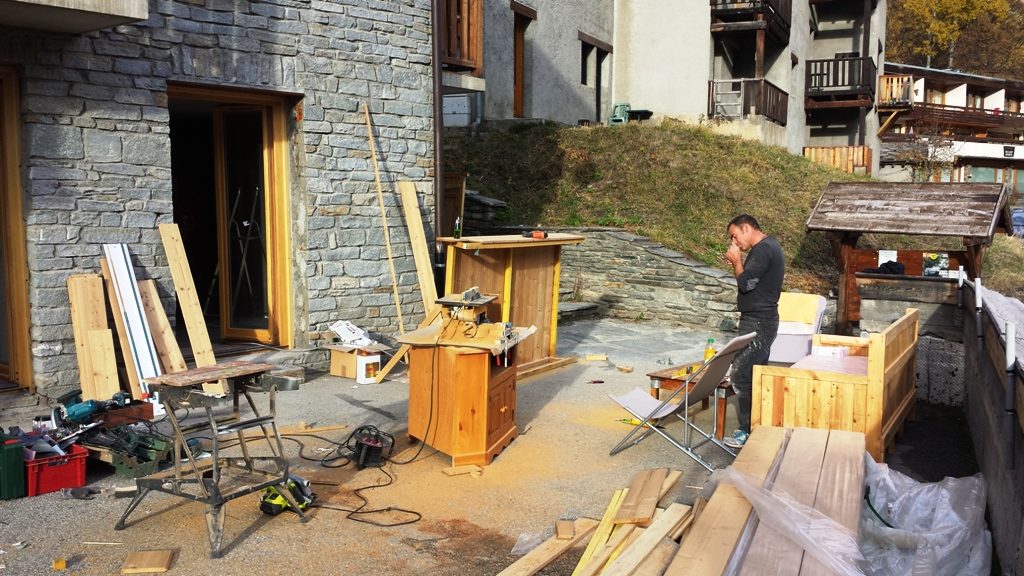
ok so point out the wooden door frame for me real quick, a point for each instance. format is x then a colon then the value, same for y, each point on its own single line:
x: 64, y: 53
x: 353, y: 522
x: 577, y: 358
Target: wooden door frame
x: 521, y: 23
x: 277, y: 199
x: 13, y: 234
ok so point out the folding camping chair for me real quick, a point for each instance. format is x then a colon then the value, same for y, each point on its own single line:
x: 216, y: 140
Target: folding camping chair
x: 651, y: 411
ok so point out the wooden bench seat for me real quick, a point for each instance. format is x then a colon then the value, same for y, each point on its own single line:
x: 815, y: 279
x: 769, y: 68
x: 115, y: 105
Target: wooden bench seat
x: 871, y: 390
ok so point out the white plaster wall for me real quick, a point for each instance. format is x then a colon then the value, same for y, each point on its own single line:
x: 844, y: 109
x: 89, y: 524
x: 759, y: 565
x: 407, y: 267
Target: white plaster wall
x: 552, y: 58
x: 957, y: 96
x: 987, y: 150
x: 663, y: 56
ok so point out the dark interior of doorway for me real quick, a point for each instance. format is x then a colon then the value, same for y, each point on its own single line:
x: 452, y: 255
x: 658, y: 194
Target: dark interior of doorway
x: 193, y: 183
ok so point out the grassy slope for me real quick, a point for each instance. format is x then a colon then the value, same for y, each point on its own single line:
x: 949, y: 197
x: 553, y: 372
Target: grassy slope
x: 677, y: 184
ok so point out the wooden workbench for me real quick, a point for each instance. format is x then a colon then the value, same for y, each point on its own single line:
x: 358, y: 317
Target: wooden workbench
x: 524, y: 274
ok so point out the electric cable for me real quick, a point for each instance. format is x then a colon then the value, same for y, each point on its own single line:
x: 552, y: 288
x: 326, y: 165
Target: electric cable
x: 867, y: 498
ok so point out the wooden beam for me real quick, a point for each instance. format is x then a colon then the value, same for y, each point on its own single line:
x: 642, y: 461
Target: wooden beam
x: 712, y: 539
x: 648, y: 541
x: 541, y: 556
x: 604, y: 530
x: 384, y: 220
x: 728, y: 27
x: 584, y: 37
x: 522, y: 9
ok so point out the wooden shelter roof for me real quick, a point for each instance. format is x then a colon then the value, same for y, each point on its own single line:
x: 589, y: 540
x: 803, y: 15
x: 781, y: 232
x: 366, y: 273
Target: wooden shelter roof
x: 974, y: 211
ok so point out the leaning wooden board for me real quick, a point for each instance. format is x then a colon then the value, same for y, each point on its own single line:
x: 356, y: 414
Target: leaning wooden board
x: 140, y: 340
x: 188, y: 299
x: 131, y: 374
x: 88, y: 312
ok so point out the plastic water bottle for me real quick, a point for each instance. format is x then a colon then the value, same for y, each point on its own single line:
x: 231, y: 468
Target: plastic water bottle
x: 709, y: 350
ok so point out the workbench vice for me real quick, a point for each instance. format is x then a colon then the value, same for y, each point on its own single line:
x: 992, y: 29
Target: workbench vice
x: 216, y: 481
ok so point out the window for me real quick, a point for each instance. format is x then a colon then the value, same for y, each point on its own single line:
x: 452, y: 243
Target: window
x: 593, y: 57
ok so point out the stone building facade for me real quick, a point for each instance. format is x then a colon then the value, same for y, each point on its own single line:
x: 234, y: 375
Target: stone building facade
x: 119, y: 130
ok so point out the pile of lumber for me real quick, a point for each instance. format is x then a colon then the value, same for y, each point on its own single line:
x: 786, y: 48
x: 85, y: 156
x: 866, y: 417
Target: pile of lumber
x: 821, y: 469
x: 147, y: 347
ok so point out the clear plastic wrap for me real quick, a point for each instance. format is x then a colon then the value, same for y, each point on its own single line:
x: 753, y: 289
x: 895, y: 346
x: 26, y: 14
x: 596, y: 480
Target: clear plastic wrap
x: 937, y: 528
x: 820, y: 536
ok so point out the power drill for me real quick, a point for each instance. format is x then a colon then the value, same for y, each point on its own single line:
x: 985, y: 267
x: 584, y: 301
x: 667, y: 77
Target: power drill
x: 76, y: 411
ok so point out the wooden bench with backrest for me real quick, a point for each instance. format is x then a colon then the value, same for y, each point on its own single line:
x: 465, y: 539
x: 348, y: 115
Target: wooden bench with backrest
x: 871, y: 389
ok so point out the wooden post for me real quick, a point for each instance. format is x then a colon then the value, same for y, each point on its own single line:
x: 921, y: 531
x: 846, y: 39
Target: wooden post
x: 842, y: 250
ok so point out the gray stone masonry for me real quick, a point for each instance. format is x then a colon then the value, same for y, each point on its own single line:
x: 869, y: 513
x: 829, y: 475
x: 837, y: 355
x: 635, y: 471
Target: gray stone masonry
x: 97, y: 164
x: 635, y: 278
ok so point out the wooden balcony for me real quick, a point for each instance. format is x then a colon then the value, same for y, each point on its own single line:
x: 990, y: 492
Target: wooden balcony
x: 940, y: 116
x: 849, y: 159
x: 841, y: 83
x: 739, y: 16
x: 738, y: 98
x: 895, y: 91
x: 462, y: 36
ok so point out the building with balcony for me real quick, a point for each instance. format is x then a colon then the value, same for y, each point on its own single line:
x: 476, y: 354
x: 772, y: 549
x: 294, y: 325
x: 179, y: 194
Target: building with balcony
x: 798, y: 74
x: 943, y: 125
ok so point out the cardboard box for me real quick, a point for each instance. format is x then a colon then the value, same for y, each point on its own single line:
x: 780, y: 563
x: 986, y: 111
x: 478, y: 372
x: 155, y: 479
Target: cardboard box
x: 360, y: 363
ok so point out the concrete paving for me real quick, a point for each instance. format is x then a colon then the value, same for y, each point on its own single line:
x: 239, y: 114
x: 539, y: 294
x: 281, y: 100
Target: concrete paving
x: 558, y: 467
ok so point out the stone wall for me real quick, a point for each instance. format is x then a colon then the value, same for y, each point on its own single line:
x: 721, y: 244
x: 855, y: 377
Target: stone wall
x: 996, y: 431
x: 96, y: 147
x: 635, y: 278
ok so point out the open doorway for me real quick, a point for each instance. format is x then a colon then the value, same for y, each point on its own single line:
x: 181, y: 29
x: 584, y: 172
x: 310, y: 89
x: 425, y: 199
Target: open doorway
x: 228, y: 151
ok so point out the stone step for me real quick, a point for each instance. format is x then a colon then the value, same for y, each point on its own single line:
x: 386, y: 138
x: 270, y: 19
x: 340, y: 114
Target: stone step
x: 577, y: 310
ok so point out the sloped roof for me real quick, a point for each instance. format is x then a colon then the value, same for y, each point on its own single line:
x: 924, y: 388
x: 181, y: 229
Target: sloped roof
x: 962, y: 209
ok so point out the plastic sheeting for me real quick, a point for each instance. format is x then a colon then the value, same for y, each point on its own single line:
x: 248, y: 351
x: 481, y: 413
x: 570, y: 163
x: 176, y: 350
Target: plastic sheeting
x: 937, y: 529
x: 820, y: 536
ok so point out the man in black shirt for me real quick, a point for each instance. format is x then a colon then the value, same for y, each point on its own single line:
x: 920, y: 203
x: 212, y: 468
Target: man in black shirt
x: 759, y: 282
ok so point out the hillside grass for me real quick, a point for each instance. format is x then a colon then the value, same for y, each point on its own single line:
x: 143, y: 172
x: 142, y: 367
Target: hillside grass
x: 677, y: 184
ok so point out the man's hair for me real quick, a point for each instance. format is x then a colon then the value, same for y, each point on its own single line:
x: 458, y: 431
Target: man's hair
x: 744, y: 219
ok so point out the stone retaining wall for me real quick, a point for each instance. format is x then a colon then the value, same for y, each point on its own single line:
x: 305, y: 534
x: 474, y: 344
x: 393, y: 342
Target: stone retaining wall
x: 635, y: 278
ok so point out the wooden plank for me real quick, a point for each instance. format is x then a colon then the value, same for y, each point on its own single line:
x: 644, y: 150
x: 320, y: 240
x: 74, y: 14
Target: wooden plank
x: 384, y: 220
x: 709, y: 546
x: 840, y: 487
x: 604, y: 553
x: 657, y: 561
x: 670, y: 481
x: 418, y: 242
x: 467, y: 469
x: 541, y: 556
x: 147, y: 561
x: 188, y: 299
x: 603, y: 531
x: 646, y: 543
x: 131, y: 373
x: 644, y: 493
x: 104, y: 364
x: 88, y: 312
x: 510, y: 241
x: 404, y: 348
x: 770, y: 552
x: 167, y: 348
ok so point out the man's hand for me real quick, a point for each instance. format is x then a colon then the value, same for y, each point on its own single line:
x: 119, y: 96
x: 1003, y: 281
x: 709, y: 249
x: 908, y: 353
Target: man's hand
x: 733, y: 254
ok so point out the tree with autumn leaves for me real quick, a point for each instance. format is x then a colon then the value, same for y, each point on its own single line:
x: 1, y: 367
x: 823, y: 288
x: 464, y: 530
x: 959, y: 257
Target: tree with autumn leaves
x: 978, y: 36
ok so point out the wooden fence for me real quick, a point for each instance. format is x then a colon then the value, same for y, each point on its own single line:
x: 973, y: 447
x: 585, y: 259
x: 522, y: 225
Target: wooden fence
x: 850, y: 159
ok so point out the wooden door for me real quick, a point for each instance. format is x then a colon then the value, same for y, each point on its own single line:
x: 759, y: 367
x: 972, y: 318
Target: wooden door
x: 519, y: 58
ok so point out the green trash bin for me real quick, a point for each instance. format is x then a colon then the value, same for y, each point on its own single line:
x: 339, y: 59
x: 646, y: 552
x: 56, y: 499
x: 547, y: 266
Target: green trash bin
x: 12, y: 468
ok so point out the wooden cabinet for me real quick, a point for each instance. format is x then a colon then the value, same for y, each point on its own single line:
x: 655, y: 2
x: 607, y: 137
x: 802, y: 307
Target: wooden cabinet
x: 524, y: 274
x: 462, y: 401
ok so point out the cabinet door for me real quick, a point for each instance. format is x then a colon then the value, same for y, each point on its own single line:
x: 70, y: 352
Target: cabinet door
x: 501, y: 407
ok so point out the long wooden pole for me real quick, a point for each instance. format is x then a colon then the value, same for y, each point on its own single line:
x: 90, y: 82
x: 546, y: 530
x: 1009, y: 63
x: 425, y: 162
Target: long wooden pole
x: 384, y: 219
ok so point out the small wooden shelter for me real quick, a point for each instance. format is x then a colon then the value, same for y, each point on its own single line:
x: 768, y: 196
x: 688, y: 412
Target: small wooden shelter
x: 973, y: 212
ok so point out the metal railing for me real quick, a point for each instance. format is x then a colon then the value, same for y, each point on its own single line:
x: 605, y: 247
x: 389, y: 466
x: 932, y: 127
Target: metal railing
x: 462, y: 31
x: 841, y: 75
x: 781, y: 9
x: 738, y: 98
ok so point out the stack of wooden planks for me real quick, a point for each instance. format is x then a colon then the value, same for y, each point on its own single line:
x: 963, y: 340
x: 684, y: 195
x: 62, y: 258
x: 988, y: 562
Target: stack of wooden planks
x: 147, y: 344
x: 822, y: 469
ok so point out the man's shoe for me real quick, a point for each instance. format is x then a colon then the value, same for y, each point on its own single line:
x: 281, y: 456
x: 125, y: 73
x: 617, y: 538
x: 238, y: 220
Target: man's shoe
x: 737, y: 440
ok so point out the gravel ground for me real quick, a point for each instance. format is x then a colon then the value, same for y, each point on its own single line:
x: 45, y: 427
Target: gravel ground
x: 558, y: 467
